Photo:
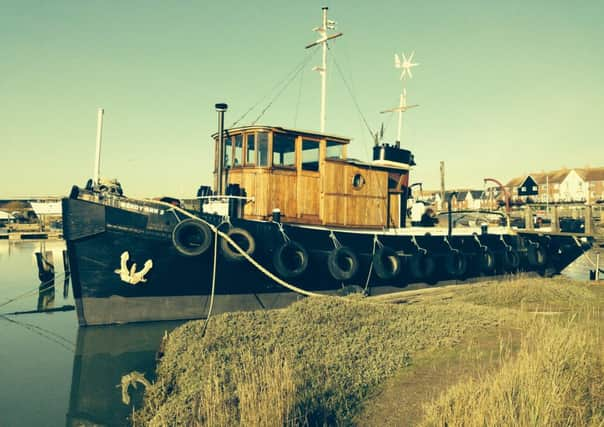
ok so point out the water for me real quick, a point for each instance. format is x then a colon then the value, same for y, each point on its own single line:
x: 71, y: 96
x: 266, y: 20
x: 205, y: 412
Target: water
x: 53, y: 373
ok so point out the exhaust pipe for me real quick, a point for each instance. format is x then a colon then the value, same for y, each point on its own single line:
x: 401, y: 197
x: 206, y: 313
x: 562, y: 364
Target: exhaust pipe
x: 220, y: 108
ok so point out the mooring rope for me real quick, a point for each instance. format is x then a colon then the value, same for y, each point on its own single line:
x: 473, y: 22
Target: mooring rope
x: 213, y: 291
x: 40, y: 288
x: 45, y: 333
x: 226, y: 237
x: 375, y: 242
x: 585, y: 255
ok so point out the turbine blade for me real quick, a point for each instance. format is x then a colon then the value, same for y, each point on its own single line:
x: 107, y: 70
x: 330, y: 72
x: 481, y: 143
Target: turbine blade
x: 411, y: 57
x: 397, y: 61
x: 410, y: 74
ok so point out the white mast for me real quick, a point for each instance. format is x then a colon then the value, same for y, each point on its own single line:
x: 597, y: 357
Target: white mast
x: 322, y: 30
x: 99, y: 135
x: 406, y: 66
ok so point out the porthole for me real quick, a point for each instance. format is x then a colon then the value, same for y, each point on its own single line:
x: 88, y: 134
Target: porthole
x: 358, y: 181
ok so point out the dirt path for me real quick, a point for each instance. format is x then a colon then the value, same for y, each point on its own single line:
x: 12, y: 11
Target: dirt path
x: 400, y: 401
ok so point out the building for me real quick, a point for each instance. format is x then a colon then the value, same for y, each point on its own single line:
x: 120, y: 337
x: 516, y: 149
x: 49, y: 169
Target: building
x: 562, y: 185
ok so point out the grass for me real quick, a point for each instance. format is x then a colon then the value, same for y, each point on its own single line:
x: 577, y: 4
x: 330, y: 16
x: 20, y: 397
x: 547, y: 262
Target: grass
x: 556, y: 379
x: 327, y: 361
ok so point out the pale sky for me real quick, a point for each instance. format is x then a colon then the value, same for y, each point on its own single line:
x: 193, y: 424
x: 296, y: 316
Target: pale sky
x: 504, y: 88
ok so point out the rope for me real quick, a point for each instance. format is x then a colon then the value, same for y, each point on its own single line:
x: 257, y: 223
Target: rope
x: 451, y: 248
x: 484, y: 247
x: 205, y: 325
x: 507, y: 247
x: 40, y: 288
x: 419, y: 248
x: 282, y: 89
x: 375, y: 242
x: 334, y: 239
x: 44, y: 333
x: 286, y: 238
x: 295, y: 71
x: 298, y: 100
x: 585, y: 253
x: 354, y: 100
x: 251, y: 260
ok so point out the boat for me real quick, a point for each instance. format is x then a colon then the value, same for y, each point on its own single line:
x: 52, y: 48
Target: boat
x: 289, y: 215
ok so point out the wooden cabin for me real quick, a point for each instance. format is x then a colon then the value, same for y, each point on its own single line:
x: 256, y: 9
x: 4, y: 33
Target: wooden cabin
x: 308, y: 177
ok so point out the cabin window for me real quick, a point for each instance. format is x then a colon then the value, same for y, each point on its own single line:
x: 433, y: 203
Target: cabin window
x: 284, y: 150
x: 358, y: 181
x: 334, y: 150
x: 238, y: 157
x: 310, y: 155
x: 262, y: 153
x: 250, y: 150
x: 228, y: 152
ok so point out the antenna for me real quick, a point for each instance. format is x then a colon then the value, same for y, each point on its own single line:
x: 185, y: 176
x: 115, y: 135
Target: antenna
x: 322, y: 30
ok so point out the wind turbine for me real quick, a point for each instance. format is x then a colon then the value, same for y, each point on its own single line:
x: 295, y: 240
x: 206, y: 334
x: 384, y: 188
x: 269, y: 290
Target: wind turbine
x: 405, y: 65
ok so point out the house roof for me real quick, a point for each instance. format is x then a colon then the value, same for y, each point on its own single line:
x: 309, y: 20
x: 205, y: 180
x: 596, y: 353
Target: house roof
x: 591, y: 174
x: 553, y: 177
x: 476, y: 194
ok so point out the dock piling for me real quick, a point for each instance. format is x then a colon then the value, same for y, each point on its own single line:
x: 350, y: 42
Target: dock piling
x: 46, y: 268
x: 555, y: 222
x: 528, y: 218
x: 66, y: 263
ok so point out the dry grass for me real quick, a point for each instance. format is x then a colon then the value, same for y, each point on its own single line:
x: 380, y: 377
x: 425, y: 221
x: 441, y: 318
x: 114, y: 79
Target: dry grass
x: 318, y: 361
x: 556, y: 379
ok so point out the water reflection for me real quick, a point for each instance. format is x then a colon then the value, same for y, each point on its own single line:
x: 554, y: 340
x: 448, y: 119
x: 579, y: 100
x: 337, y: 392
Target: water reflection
x: 46, y: 295
x: 103, y: 355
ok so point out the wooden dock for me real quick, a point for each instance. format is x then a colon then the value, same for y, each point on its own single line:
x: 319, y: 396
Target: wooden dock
x: 32, y: 235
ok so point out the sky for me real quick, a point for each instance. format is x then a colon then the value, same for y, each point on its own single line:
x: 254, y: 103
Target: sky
x: 504, y: 88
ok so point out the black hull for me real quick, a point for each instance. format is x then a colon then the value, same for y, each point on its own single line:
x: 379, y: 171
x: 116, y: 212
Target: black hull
x: 179, y: 287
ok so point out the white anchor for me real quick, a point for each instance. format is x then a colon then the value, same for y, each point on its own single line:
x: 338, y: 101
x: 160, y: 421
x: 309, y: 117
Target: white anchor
x: 132, y: 276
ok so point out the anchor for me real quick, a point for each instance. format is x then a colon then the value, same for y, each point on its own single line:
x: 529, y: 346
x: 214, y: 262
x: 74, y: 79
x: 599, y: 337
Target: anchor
x: 132, y: 276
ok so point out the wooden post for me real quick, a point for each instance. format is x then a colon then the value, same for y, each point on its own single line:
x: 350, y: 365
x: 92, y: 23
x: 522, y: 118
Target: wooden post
x: 588, y: 220
x: 46, y: 268
x: 555, y: 221
x: 528, y: 218
x: 442, y: 186
x: 65, y: 262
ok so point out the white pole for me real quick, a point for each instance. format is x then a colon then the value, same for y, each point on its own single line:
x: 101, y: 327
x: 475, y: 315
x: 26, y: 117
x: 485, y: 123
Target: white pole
x: 322, y: 30
x: 99, y: 136
x: 402, y: 104
x: 547, y: 195
x: 324, y: 71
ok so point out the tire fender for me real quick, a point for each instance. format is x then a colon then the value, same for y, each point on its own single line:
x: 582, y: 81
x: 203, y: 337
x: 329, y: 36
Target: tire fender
x: 290, y: 260
x: 191, y: 237
x: 486, y: 260
x: 511, y: 260
x: 243, y: 239
x: 386, y: 263
x: 536, y: 255
x: 422, y: 266
x: 456, y: 263
x: 342, y: 263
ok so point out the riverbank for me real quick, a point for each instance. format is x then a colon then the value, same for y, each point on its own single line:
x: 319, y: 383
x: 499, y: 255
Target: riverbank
x: 371, y: 362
